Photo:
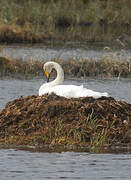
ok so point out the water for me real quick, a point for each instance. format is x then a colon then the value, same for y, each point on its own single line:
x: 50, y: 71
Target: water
x: 49, y: 52
x: 25, y: 165
x: 11, y: 89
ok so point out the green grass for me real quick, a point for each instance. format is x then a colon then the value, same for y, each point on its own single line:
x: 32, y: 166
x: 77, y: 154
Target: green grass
x: 89, y: 133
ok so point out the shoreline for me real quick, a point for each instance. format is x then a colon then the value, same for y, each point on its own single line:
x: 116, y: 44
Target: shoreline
x: 106, y: 67
x: 91, y: 21
x: 120, y: 148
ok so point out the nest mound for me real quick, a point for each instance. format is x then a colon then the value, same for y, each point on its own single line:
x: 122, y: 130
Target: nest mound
x: 50, y: 119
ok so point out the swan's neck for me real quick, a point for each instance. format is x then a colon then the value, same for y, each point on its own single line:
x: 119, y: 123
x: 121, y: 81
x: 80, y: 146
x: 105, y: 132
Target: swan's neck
x: 59, y: 78
x: 60, y: 75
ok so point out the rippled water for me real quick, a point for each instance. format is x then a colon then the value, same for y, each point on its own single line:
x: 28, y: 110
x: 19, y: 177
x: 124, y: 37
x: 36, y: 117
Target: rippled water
x: 24, y: 165
x: 13, y: 88
x: 42, y: 52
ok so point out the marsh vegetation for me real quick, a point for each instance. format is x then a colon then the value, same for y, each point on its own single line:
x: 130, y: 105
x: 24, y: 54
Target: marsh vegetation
x: 77, y: 68
x: 36, y: 21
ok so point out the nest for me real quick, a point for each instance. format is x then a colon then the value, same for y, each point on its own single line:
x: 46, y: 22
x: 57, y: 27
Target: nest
x: 50, y: 119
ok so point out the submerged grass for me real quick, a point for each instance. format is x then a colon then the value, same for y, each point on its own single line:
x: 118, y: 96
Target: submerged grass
x: 35, y: 21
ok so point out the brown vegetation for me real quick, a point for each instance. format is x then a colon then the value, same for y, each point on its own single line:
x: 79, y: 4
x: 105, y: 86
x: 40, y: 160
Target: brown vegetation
x: 35, y: 21
x: 53, y: 120
x: 19, y: 68
x: 106, y: 67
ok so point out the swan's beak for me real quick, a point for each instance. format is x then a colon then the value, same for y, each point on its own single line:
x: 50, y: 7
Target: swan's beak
x: 47, y: 75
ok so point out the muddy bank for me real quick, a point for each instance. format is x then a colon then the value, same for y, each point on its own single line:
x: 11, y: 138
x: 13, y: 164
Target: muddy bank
x: 57, y: 121
x: 77, y: 68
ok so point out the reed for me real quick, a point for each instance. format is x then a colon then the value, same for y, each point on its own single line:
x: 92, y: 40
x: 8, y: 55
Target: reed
x: 19, y: 68
x: 36, y: 21
x: 106, y: 67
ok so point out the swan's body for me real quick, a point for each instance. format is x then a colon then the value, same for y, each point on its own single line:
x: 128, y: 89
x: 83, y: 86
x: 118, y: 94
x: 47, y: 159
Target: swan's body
x: 68, y: 91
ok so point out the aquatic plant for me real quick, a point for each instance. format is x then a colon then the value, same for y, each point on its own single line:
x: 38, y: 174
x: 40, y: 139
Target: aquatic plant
x: 105, y: 67
x: 19, y: 68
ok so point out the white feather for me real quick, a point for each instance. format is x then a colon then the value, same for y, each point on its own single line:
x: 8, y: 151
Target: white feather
x: 68, y: 91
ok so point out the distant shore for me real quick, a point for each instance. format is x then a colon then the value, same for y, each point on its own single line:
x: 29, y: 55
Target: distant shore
x: 106, y: 67
x: 67, y: 20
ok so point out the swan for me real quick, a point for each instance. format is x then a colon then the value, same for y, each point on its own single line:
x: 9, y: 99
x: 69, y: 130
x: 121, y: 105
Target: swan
x: 68, y: 91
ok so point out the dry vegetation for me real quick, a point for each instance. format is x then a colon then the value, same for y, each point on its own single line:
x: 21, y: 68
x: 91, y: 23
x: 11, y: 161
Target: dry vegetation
x: 19, y: 68
x: 37, y: 21
x: 106, y: 67
x: 84, y: 122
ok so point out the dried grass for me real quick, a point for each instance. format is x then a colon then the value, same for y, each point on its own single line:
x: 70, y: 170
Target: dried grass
x: 64, y: 20
x: 105, y: 67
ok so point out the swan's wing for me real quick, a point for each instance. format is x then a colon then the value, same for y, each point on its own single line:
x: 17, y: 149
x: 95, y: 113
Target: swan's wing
x: 95, y: 94
x: 62, y: 90
x: 70, y: 91
x: 79, y: 91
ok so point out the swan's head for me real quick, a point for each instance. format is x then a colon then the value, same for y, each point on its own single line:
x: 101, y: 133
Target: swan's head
x: 47, y: 69
x: 48, y: 66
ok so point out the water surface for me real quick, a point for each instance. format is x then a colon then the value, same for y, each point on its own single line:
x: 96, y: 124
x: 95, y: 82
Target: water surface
x: 11, y: 89
x: 20, y: 165
x: 67, y: 51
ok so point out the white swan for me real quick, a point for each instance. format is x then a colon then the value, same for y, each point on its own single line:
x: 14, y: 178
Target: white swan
x: 68, y: 91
